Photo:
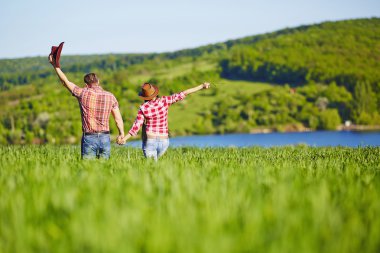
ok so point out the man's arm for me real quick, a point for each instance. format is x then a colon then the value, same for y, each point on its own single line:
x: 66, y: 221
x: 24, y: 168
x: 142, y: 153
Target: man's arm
x: 62, y: 77
x: 119, y: 121
x: 197, y: 88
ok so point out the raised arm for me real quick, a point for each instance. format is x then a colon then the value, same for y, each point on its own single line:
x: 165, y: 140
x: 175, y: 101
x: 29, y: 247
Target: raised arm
x: 181, y: 95
x: 197, y: 88
x: 119, y: 122
x: 62, y: 77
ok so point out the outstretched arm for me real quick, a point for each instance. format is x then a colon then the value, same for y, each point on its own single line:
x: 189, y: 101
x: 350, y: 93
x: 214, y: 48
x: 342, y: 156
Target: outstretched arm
x: 181, y: 95
x: 197, y: 88
x: 119, y: 122
x: 62, y: 77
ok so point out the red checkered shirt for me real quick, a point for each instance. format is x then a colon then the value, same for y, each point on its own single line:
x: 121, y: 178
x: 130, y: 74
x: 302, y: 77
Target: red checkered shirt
x: 155, y: 113
x: 96, y: 105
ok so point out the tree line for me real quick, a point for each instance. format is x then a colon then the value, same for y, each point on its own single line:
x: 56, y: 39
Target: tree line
x: 322, y: 75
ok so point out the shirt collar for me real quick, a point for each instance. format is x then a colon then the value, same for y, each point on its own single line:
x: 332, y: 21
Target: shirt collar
x: 95, y: 87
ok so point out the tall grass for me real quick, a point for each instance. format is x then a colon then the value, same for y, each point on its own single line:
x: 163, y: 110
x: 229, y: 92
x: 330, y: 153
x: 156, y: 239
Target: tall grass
x: 290, y: 199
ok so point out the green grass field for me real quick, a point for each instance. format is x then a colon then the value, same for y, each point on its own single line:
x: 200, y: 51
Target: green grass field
x: 289, y: 199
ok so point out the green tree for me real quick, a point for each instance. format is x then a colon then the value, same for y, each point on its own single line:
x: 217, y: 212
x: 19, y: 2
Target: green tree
x: 329, y: 119
x: 365, y: 103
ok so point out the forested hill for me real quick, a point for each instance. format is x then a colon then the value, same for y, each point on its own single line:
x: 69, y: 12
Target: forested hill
x: 344, y: 52
x: 334, y: 67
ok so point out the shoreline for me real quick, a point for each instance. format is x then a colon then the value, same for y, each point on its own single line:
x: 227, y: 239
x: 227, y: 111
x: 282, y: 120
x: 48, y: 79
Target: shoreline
x: 294, y: 128
x: 301, y: 129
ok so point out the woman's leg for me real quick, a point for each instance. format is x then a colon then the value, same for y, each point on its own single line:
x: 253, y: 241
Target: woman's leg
x: 150, y: 148
x: 162, y: 147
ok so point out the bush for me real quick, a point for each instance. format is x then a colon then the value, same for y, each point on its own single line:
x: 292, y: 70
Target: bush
x: 329, y: 119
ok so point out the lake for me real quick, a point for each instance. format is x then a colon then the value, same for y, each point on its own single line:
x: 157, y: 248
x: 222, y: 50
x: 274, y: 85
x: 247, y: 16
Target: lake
x: 316, y: 139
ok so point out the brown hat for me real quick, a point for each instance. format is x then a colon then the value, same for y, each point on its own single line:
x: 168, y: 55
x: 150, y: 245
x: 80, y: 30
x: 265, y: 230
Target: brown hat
x: 148, y: 91
x: 56, y: 53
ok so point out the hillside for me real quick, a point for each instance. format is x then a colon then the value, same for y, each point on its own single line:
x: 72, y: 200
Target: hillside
x: 333, y: 66
x: 344, y: 52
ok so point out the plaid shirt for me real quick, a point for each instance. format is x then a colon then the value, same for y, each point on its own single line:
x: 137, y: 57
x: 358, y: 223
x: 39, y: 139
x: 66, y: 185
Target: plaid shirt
x: 155, y: 112
x: 95, y: 106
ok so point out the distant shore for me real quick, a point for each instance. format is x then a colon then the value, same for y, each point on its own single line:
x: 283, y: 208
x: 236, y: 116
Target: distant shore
x: 358, y: 128
x: 301, y: 128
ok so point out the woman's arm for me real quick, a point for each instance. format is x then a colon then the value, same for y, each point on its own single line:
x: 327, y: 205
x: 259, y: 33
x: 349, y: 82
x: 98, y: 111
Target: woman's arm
x: 121, y: 139
x: 181, y: 95
x: 124, y: 140
x: 197, y: 88
x: 137, y: 124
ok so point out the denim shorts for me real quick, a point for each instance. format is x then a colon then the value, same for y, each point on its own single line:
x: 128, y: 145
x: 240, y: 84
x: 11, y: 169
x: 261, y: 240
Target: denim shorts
x: 154, y: 148
x: 96, y: 146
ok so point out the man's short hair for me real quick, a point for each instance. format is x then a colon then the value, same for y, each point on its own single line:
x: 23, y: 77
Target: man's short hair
x: 91, y: 78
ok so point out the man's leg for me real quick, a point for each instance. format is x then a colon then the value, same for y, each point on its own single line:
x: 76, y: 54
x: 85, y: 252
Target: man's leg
x: 89, y: 146
x: 104, y: 146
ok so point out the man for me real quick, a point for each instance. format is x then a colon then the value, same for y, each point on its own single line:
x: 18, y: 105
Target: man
x: 96, y: 105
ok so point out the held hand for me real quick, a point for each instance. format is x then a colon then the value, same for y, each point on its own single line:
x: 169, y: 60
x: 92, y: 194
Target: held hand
x: 120, y: 140
x: 206, y: 85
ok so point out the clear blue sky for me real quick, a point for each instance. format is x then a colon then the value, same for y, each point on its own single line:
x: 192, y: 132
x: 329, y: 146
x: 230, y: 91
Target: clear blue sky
x: 31, y: 27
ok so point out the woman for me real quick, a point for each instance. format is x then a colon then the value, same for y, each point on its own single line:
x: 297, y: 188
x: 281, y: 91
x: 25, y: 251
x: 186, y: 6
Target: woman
x: 154, y: 112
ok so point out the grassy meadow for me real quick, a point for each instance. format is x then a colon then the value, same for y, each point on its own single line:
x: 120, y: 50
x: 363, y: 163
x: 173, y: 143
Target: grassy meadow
x: 287, y: 199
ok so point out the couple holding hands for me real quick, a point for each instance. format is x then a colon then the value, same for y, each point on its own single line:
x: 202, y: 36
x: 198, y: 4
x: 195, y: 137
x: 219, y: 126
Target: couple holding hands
x: 96, y: 106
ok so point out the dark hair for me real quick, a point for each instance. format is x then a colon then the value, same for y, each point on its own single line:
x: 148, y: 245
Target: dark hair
x: 91, y: 78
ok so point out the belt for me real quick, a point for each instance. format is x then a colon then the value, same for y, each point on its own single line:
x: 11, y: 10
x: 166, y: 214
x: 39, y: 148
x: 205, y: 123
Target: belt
x: 157, y: 136
x: 95, y: 133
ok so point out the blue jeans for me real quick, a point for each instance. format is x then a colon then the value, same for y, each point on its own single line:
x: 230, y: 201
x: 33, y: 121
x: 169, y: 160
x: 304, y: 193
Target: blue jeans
x: 154, y: 148
x: 96, y: 146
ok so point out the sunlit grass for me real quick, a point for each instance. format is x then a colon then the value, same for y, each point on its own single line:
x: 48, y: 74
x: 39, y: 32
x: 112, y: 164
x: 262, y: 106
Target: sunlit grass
x: 291, y: 199
x: 167, y: 70
x: 184, y: 114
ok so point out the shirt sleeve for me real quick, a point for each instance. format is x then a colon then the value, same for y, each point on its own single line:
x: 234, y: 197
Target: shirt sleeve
x: 137, y: 124
x: 115, y: 104
x: 77, y: 92
x: 174, y: 98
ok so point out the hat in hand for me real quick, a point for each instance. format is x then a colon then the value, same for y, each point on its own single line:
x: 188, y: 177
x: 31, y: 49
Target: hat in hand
x: 56, y: 53
x: 148, y: 91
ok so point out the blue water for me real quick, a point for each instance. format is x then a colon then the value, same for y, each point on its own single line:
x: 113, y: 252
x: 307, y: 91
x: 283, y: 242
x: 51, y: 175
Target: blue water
x: 316, y: 139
